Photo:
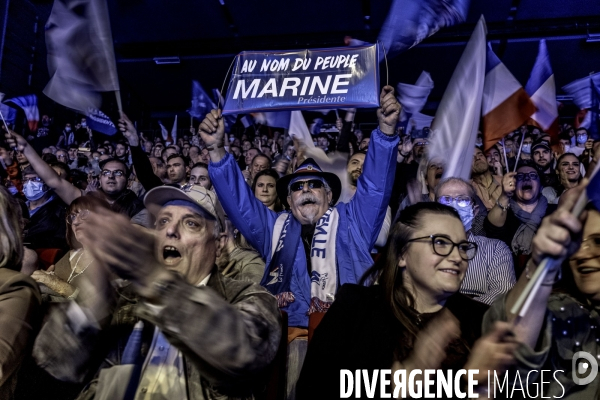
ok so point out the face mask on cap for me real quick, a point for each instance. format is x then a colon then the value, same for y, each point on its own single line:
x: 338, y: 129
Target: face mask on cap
x: 581, y: 139
x: 526, y: 148
x: 34, y: 190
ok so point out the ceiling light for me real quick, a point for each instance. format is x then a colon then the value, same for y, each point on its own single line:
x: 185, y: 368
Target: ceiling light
x: 166, y: 60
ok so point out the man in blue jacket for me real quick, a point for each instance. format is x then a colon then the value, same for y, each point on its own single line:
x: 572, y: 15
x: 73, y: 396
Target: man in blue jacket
x: 317, y: 247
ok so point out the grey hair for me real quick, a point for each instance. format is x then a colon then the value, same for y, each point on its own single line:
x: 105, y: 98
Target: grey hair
x: 452, y: 179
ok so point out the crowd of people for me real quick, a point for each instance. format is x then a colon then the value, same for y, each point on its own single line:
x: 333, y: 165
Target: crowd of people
x: 145, y: 268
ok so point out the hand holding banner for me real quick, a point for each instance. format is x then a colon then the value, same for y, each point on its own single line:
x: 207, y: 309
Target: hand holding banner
x: 304, y: 79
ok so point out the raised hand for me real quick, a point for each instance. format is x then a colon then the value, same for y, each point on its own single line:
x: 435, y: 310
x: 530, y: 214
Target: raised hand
x: 212, y: 129
x: 509, y: 184
x: 389, y: 111
x: 128, y: 130
x: 557, y: 235
x: 492, y: 352
x: 13, y: 140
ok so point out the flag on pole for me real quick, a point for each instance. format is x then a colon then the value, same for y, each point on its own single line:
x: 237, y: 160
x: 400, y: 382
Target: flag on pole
x: 594, y: 113
x: 456, y: 122
x: 542, y: 90
x: 413, y: 98
x: 98, y: 121
x: 201, y: 103
x: 583, y: 91
x: 506, y: 105
x: 274, y: 119
x: 164, y: 132
x: 299, y: 130
x: 174, y: 131
x: 410, y: 21
x: 29, y: 105
x: 81, y: 59
x: 229, y: 119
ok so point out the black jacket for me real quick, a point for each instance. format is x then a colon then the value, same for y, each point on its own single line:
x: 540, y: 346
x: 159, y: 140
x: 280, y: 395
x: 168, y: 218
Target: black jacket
x: 47, y: 227
x: 360, y: 332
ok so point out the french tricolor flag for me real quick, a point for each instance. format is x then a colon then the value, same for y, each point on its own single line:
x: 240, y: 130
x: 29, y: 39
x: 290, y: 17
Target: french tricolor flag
x: 542, y: 90
x: 506, y: 105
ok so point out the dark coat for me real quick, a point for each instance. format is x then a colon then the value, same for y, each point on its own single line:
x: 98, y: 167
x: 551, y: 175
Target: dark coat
x: 360, y: 332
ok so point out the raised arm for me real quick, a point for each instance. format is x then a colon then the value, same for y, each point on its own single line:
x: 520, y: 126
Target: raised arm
x: 497, y: 215
x: 63, y: 188
x: 368, y: 206
x: 251, y: 217
x: 556, y: 237
x: 141, y: 162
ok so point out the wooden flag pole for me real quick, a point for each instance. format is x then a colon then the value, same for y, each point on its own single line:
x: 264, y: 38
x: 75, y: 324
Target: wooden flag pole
x: 505, y: 158
x: 119, y: 104
x: 519, y: 154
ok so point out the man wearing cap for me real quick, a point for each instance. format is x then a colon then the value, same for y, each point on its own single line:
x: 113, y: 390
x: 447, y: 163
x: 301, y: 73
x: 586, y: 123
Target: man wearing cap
x: 544, y: 163
x: 315, y: 247
x: 197, y: 334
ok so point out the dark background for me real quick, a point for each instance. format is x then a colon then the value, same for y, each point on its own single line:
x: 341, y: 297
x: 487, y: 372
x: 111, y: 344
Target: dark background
x: 206, y: 35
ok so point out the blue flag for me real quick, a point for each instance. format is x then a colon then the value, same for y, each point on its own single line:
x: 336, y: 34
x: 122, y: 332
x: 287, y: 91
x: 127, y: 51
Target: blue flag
x: 81, y: 58
x: 201, y: 103
x: 228, y: 119
x: 98, y: 121
x: 410, y: 21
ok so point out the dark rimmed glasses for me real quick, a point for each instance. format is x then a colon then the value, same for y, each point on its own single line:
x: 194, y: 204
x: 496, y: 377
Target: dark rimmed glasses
x: 443, y: 246
x: 312, y: 184
x: 533, y: 176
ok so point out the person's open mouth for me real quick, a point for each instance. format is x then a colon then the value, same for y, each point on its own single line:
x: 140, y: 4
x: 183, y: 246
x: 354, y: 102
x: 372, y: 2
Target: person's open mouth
x: 171, y: 255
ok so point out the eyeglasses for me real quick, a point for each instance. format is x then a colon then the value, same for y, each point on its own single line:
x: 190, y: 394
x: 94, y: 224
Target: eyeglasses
x: 461, y: 201
x: 36, y: 179
x: 117, y: 173
x: 443, y: 246
x: 531, y: 175
x: 312, y: 184
x: 83, y: 214
x: 422, y: 143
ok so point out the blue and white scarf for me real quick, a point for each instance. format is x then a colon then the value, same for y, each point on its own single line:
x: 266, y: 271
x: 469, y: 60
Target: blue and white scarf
x: 285, y: 241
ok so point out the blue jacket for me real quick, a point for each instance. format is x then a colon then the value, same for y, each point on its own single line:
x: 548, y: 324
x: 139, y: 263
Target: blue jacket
x: 360, y: 220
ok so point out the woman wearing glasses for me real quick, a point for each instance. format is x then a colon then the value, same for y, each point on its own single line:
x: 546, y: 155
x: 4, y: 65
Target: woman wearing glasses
x: 61, y: 278
x: 561, y: 329
x: 519, y: 210
x: 412, y: 316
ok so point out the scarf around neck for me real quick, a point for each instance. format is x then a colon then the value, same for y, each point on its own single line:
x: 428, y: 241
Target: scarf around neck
x: 530, y: 222
x: 323, y: 276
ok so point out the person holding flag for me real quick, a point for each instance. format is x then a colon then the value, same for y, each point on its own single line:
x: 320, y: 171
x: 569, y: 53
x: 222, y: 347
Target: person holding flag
x: 562, y: 319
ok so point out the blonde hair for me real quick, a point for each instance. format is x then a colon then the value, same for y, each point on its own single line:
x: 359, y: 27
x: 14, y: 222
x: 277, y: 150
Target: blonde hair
x: 11, y: 233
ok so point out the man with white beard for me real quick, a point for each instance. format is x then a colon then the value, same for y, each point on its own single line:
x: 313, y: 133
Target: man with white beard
x: 313, y: 249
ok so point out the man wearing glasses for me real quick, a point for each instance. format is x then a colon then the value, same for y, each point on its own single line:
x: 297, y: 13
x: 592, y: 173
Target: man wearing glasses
x: 113, y: 182
x: 317, y: 246
x: 519, y: 210
x: 491, y: 272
